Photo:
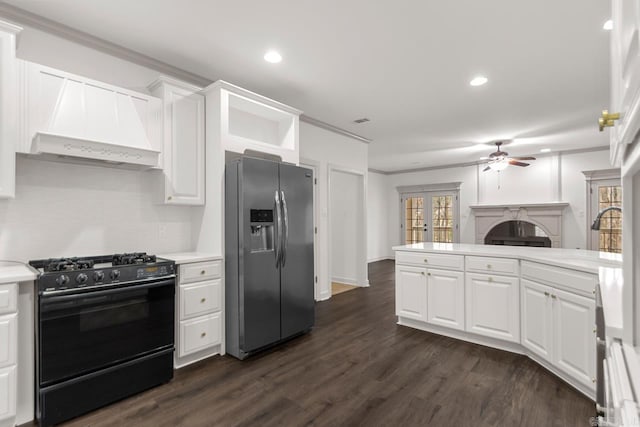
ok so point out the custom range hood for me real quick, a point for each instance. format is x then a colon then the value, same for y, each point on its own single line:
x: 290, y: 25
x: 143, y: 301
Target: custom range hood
x: 73, y: 118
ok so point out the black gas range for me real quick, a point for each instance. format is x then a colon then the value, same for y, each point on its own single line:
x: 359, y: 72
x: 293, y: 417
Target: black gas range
x: 105, y: 331
x: 88, y: 273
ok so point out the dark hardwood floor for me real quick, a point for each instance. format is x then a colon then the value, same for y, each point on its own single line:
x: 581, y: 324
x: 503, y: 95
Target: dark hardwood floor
x: 357, y: 367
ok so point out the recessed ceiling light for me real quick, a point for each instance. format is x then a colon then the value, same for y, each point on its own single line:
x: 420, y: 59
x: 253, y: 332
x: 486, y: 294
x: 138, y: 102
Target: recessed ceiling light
x: 608, y: 25
x: 545, y: 150
x: 478, y: 81
x: 273, y: 57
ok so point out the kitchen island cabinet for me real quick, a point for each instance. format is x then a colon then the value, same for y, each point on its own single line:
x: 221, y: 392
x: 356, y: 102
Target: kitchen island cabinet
x: 535, y: 301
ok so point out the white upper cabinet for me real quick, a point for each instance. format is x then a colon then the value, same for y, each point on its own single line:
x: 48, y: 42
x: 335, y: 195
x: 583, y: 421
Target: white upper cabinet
x: 8, y: 108
x: 248, y: 121
x: 625, y: 75
x: 63, y: 114
x: 183, y: 159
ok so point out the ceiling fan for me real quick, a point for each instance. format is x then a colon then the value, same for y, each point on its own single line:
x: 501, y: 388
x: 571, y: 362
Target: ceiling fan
x: 499, y: 160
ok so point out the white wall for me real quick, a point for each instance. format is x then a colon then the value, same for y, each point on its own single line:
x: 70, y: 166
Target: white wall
x: 556, y: 177
x: 323, y: 149
x: 377, y: 217
x: 346, y: 214
x: 63, y: 209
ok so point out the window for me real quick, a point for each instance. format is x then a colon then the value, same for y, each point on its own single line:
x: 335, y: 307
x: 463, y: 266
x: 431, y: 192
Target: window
x: 610, y: 234
x: 604, y: 190
x: 429, y: 216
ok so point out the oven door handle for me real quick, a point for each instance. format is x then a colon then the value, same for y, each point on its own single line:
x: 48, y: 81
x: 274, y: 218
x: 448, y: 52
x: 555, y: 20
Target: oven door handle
x: 46, y: 299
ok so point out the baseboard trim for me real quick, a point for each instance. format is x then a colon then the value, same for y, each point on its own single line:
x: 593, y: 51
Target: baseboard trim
x: 383, y: 258
x: 347, y: 281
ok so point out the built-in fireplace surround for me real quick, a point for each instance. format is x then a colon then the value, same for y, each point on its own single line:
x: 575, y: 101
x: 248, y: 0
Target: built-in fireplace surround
x: 538, y: 224
x: 517, y: 233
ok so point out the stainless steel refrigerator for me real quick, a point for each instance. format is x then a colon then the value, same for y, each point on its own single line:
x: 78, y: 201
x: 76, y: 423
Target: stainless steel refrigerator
x: 268, y: 254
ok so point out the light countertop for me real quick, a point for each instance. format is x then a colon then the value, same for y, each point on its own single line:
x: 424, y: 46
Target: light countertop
x: 188, y: 257
x: 578, y: 259
x: 11, y: 272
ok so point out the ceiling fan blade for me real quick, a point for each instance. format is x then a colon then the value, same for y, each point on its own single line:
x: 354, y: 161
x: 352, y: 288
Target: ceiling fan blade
x: 486, y: 169
x: 516, y: 163
x: 522, y: 158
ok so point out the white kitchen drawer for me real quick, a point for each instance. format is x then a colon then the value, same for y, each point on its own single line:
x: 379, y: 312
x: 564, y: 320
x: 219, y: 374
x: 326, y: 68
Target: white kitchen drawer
x: 558, y: 276
x: 451, y: 262
x: 200, y: 333
x: 8, y: 339
x: 7, y: 393
x: 8, y: 298
x: 198, y: 271
x: 492, y: 265
x: 200, y: 298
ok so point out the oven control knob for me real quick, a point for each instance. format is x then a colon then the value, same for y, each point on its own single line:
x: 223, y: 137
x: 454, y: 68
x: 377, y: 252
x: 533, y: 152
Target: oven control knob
x: 115, y: 274
x: 62, y: 280
x: 81, y: 278
x: 98, y: 276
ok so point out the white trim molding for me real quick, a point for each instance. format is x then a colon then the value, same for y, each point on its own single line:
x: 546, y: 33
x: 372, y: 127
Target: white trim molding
x: 547, y: 216
x: 445, y: 186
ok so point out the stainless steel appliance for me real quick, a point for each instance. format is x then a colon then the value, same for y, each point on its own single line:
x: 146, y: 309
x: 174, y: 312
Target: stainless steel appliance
x: 269, y: 254
x: 105, y: 331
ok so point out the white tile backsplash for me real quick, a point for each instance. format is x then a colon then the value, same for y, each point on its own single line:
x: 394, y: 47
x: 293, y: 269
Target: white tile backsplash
x: 64, y: 209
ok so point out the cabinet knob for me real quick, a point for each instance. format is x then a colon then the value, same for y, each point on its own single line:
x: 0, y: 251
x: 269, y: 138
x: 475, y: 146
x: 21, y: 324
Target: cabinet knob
x: 203, y: 272
x: 169, y: 198
x: 425, y: 260
x: 607, y: 119
x: 593, y: 380
x: 595, y: 331
x: 422, y: 272
x: 553, y: 296
x: 491, y: 279
x: 489, y: 266
x: 202, y: 335
x: 203, y: 300
x: 429, y: 274
x: 546, y: 294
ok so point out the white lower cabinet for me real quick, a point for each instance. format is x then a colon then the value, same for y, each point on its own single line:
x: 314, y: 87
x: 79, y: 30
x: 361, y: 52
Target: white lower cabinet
x: 199, y: 311
x: 559, y: 327
x: 199, y: 333
x: 445, y: 298
x: 537, y: 319
x: 493, y: 307
x: 575, y: 339
x: 7, y: 395
x: 411, y: 292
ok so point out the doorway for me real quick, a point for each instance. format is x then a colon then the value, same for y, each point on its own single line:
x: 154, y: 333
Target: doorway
x: 347, y: 229
x: 314, y: 166
x: 429, y: 216
x: 604, y: 193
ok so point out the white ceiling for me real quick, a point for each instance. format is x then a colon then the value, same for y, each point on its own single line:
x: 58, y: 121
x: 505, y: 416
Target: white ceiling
x: 403, y: 64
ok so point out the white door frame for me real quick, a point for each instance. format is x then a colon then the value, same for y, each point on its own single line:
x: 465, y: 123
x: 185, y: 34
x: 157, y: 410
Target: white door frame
x: 362, y: 273
x: 315, y: 167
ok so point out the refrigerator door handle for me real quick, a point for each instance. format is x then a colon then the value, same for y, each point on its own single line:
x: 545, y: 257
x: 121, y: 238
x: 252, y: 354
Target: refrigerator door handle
x: 278, y: 229
x: 285, y: 243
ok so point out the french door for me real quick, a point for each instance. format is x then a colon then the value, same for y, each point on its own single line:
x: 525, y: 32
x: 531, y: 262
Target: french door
x: 430, y: 217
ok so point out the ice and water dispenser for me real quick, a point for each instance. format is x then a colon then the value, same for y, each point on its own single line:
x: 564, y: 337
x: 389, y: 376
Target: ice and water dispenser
x: 262, y: 230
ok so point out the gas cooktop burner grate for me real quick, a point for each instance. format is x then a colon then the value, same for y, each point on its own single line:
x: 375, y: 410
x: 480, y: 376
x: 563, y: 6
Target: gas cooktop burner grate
x: 133, y: 258
x: 67, y: 264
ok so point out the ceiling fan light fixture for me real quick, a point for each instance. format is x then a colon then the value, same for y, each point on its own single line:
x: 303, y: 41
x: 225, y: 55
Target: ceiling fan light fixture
x: 499, y: 165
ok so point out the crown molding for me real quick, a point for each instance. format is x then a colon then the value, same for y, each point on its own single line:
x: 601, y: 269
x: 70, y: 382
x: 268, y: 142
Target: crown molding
x: 335, y: 129
x: 38, y: 22
x: 481, y: 162
x: 237, y: 90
